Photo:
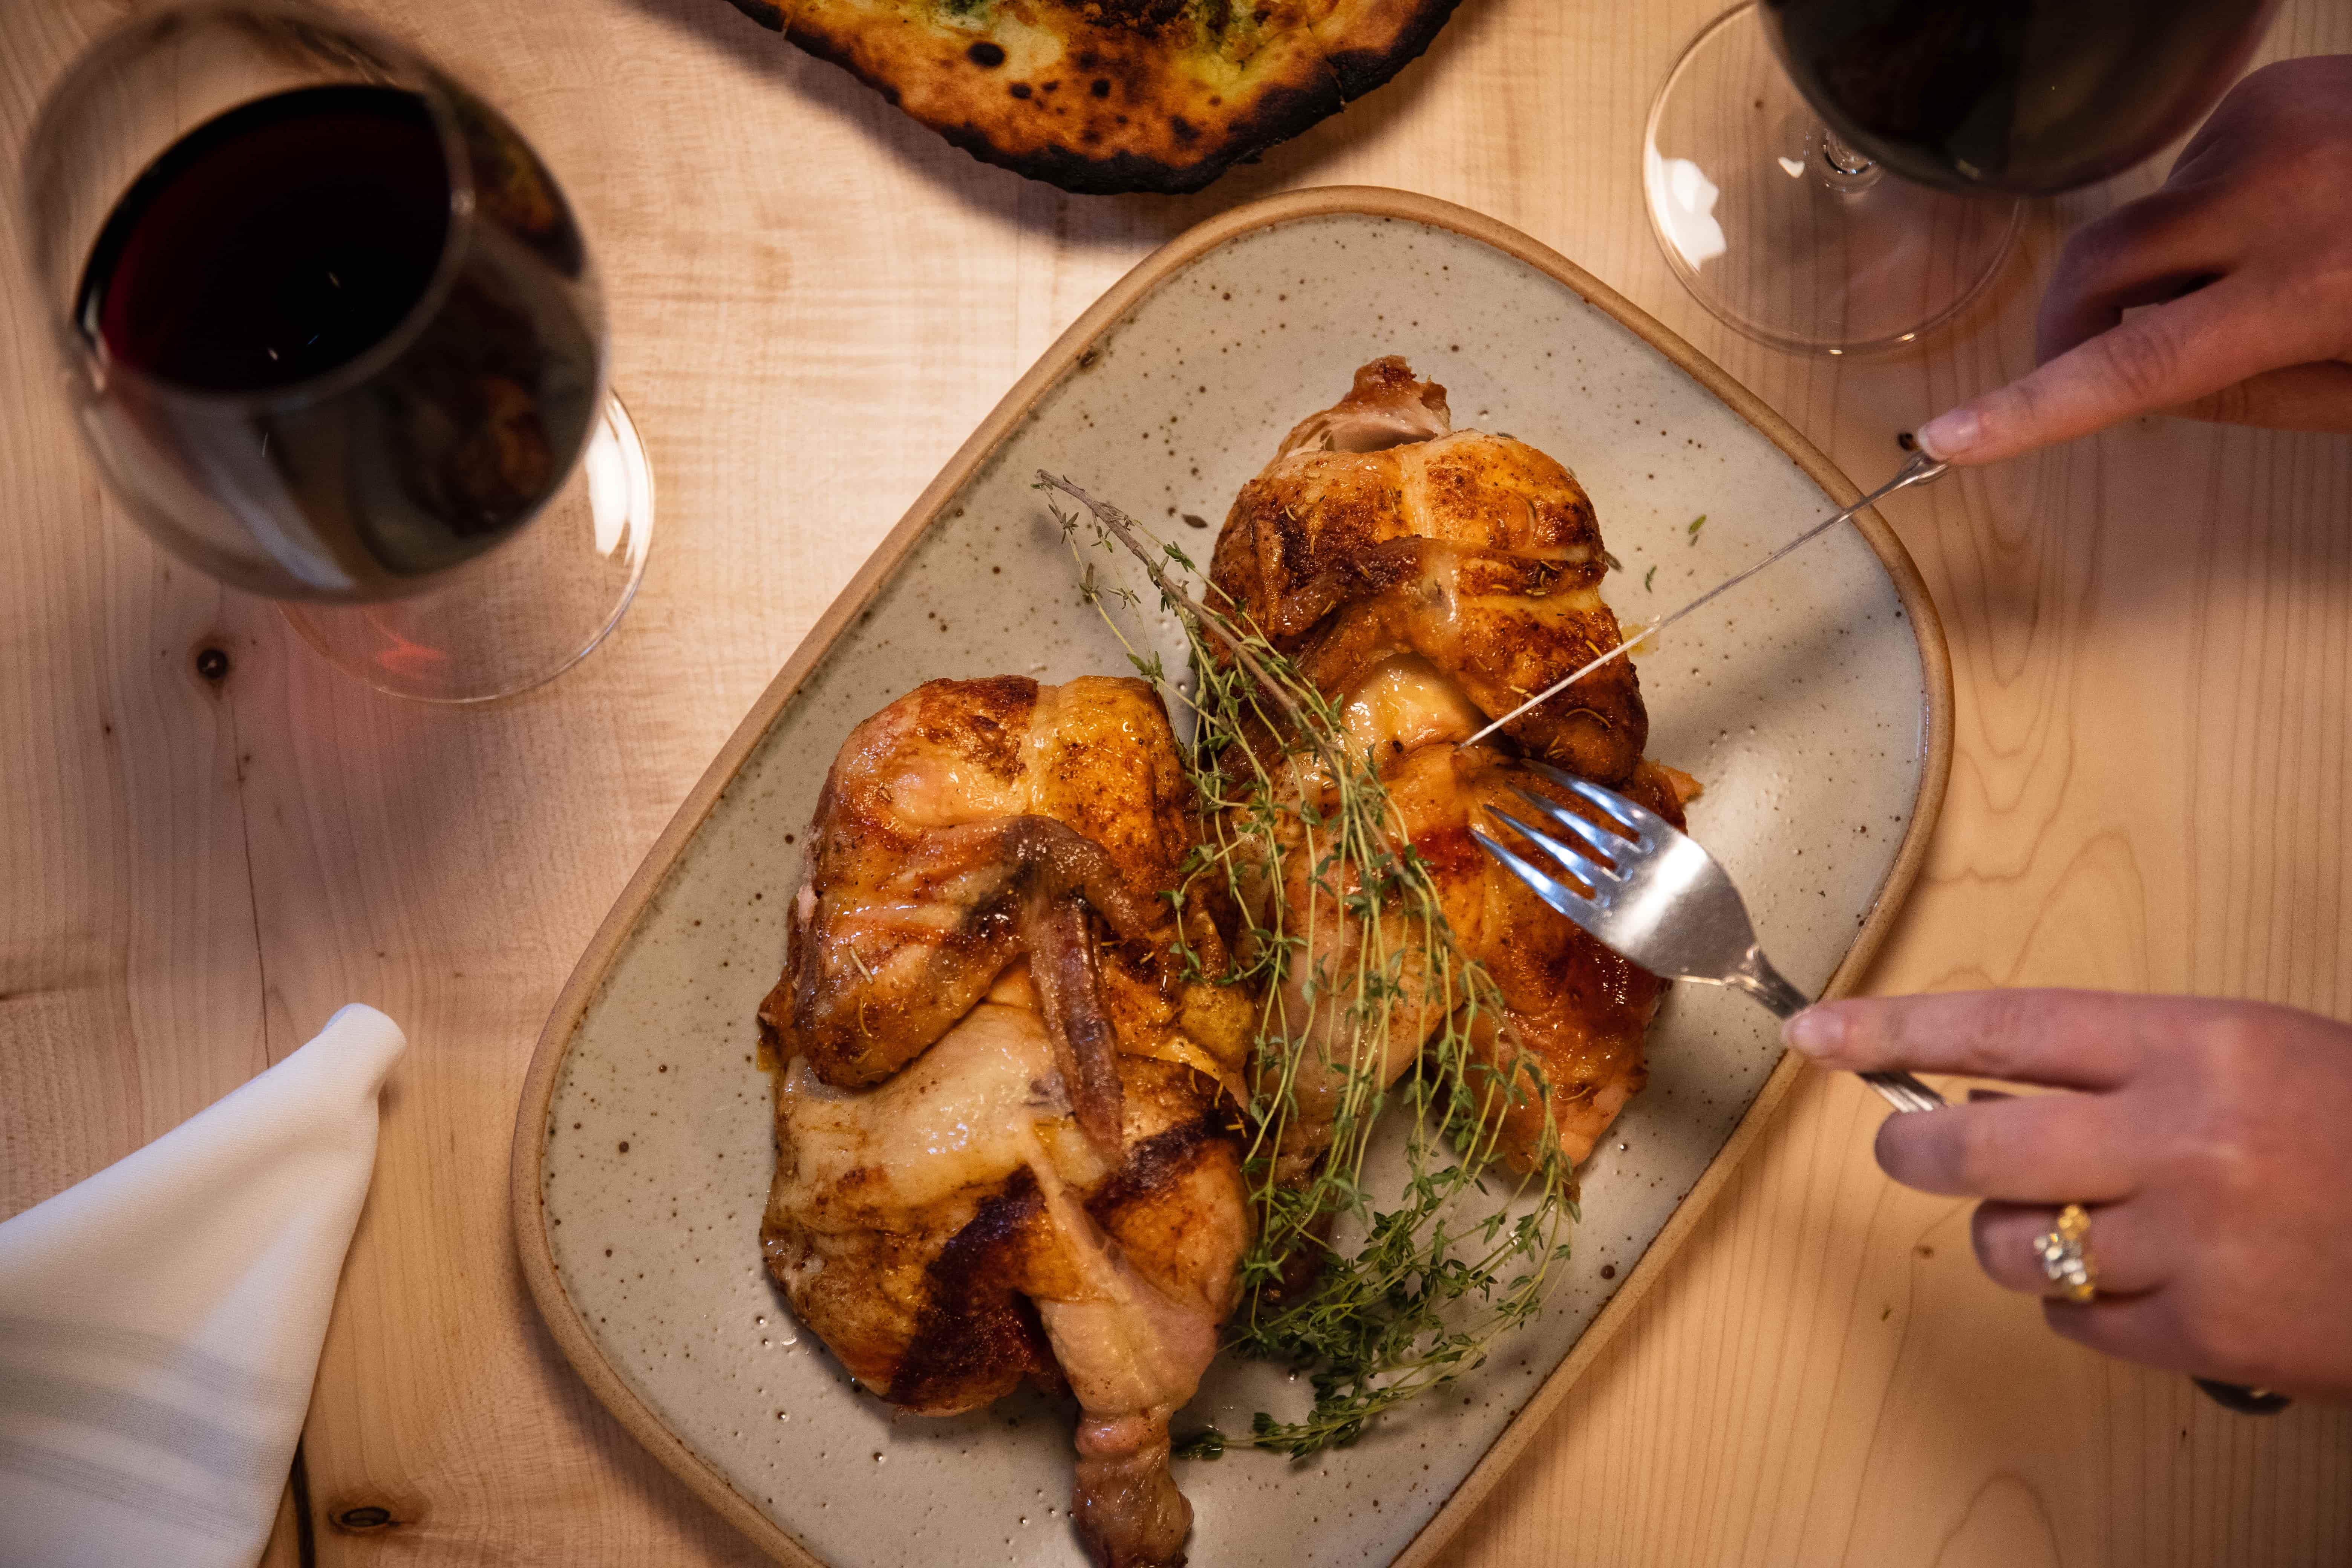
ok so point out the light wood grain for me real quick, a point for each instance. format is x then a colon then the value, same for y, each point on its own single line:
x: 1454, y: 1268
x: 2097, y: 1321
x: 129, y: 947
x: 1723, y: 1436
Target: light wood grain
x: 813, y: 303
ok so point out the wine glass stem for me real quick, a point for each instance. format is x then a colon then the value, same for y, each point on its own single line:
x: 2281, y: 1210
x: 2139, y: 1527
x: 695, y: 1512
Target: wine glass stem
x: 1841, y: 166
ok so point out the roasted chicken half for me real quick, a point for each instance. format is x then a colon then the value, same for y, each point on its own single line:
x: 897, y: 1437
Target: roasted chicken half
x: 1004, y: 1143
x: 1428, y: 580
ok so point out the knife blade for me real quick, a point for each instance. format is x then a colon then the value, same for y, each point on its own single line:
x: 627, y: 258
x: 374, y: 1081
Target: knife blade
x: 1921, y: 469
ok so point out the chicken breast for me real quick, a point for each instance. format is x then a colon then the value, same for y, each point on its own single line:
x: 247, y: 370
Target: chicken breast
x: 1005, y: 1145
x: 1378, y: 528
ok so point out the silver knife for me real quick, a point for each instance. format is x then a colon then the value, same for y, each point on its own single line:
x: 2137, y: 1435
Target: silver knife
x: 1921, y: 469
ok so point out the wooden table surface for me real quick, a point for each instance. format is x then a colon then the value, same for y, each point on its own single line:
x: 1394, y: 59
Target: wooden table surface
x: 814, y: 301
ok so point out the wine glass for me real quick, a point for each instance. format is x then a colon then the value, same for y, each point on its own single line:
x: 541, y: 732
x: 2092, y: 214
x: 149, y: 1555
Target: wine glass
x: 333, y: 337
x: 1839, y: 176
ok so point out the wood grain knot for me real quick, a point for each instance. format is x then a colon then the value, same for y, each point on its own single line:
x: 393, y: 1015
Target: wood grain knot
x: 365, y: 1519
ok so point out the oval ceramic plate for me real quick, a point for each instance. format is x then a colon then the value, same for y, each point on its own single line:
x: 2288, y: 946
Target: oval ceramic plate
x: 1814, y: 707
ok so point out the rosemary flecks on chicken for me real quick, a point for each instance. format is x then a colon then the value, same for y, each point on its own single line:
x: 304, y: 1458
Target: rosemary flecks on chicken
x: 1411, y: 1287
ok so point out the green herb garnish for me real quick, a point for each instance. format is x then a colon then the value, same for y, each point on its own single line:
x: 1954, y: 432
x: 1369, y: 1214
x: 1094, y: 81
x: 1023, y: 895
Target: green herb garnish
x: 1411, y: 1286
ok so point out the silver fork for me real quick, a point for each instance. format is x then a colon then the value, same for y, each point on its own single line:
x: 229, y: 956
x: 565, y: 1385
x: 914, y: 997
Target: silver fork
x: 1660, y: 899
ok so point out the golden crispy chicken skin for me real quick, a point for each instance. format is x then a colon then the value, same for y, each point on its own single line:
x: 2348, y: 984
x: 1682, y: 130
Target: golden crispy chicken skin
x: 1428, y: 580
x: 1576, y: 1009
x: 1004, y: 1146
x: 1377, y: 531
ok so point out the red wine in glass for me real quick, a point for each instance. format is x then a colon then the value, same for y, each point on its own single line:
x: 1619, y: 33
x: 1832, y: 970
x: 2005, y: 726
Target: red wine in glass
x: 1846, y: 177
x: 2031, y: 96
x: 332, y: 335
x: 405, y: 415
x: 274, y: 243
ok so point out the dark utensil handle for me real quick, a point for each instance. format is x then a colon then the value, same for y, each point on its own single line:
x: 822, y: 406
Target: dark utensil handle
x: 2245, y: 1401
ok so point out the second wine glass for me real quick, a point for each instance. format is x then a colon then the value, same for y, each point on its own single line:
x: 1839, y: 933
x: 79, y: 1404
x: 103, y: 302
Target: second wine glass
x: 1841, y: 175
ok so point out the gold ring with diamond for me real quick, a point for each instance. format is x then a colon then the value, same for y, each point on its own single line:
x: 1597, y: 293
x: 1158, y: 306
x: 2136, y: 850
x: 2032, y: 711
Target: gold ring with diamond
x: 2066, y: 1254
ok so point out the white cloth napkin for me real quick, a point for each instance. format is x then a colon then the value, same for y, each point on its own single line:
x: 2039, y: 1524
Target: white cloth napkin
x: 160, y: 1323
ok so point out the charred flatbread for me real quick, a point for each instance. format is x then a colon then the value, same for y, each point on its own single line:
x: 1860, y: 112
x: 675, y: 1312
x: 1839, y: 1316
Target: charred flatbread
x: 1113, y: 95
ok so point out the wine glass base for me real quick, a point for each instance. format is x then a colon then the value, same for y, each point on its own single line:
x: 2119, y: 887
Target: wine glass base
x: 525, y: 613
x: 1786, y: 236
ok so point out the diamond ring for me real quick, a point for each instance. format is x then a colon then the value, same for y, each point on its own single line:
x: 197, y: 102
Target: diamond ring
x: 2066, y: 1254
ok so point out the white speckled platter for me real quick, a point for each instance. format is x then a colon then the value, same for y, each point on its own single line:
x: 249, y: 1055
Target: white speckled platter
x: 1814, y: 707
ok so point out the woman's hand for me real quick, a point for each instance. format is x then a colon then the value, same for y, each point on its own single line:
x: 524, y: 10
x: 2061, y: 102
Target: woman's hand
x: 2212, y: 1143
x: 2246, y: 257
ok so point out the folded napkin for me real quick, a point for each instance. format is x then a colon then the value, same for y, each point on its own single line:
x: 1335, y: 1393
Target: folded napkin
x: 160, y: 1323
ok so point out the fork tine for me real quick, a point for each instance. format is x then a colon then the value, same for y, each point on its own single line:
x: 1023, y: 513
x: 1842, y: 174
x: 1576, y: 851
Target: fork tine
x: 1610, y: 845
x: 1593, y: 876
x: 1647, y: 826
x: 1562, y: 898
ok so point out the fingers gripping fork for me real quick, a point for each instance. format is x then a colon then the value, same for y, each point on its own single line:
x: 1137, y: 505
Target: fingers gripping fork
x: 1647, y: 889
x: 1643, y: 887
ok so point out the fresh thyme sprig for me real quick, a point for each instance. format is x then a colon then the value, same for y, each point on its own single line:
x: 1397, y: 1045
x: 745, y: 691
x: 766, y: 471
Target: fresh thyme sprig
x: 1376, y: 1296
